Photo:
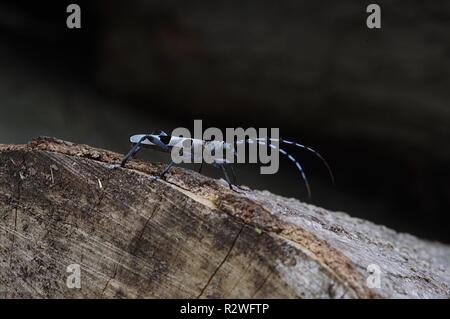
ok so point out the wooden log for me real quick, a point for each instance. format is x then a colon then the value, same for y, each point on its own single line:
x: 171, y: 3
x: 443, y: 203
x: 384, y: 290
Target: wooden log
x: 187, y: 237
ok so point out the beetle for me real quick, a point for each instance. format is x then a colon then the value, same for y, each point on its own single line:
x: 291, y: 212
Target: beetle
x: 161, y: 141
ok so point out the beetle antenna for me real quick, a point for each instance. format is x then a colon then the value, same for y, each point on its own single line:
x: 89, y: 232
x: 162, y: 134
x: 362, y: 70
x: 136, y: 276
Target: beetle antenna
x: 330, y: 172
x: 292, y: 159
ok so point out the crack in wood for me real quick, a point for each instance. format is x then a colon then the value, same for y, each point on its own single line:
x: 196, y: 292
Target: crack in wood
x: 221, y: 263
x: 17, y: 204
x: 116, y: 268
x: 157, y: 207
x: 262, y: 284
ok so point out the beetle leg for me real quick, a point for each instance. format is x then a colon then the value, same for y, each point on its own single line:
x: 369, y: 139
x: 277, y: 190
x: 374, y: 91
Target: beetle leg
x: 225, y: 173
x: 233, y: 174
x: 132, y: 152
x: 166, y: 169
x: 227, y: 178
x: 161, y: 175
x: 137, y: 147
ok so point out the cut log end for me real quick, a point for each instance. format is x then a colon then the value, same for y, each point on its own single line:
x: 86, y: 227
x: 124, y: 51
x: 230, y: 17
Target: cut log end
x: 188, y: 236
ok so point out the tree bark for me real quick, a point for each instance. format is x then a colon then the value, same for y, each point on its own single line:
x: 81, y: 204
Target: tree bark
x: 188, y: 236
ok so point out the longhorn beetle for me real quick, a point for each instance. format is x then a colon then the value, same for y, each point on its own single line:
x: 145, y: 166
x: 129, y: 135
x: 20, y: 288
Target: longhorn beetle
x: 160, y: 141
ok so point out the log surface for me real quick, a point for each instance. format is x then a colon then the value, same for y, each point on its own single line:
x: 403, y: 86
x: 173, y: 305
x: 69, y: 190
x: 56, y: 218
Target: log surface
x: 188, y: 236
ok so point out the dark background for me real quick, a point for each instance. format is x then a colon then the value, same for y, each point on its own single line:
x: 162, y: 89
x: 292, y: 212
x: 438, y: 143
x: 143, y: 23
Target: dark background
x: 375, y: 103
